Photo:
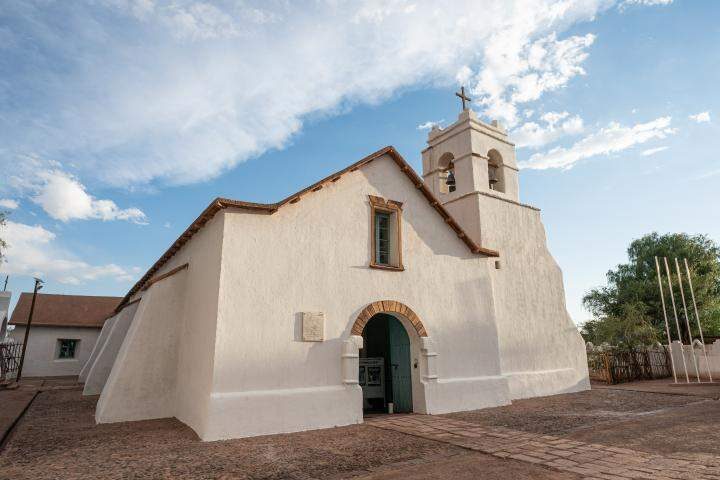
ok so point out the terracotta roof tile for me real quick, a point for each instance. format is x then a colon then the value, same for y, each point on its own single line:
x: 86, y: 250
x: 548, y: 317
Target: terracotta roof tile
x: 64, y: 310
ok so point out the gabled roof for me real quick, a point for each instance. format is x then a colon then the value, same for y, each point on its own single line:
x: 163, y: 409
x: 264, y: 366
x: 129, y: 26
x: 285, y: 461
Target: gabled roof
x: 64, y: 310
x: 270, y: 208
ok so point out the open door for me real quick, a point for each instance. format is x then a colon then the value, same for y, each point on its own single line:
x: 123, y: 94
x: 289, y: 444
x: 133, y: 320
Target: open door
x: 400, y: 366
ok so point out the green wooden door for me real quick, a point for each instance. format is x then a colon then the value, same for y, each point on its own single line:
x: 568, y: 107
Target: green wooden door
x: 400, y: 366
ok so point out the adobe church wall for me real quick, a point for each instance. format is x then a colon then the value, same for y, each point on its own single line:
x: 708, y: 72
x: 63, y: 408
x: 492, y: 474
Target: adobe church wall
x: 313, y: 256
x: 42, y: 350
x: 142, y: 382
x: 101, y: 367
x: 164, y: 367
x: 541, y: 350
x: 99, y: 343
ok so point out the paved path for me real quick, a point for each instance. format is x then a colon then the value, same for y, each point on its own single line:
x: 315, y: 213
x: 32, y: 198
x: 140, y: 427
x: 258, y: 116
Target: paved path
x: 12, y: 405
x: 592, y: 461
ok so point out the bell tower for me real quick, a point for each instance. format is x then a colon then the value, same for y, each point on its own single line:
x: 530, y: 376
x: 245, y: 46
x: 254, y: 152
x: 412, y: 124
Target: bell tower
x: 467, y: 162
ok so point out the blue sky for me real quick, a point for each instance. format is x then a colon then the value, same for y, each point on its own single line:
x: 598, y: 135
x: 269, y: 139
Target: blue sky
x: 120, y: 122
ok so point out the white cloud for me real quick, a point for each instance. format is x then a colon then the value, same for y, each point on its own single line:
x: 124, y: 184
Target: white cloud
x: 653, y: 151
x: 429, y: 125
x: 9, y: 203
x: 646, y: 3
x: 518, y: 70
x: 557, y: 125
x: 178, y: 91
x: 32, y: 250
x: 611, y: 139
x: 700, y: 117
x: 64, y: 198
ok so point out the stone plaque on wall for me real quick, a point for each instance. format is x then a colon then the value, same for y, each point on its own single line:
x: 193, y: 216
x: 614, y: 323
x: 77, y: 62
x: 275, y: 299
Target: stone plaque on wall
x: 313, y: 326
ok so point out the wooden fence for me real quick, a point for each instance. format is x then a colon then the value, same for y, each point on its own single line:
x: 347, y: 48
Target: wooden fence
x: 618, y: 366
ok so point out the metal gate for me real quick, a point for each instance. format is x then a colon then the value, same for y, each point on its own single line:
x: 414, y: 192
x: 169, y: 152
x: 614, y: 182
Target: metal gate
x: 9, y: 359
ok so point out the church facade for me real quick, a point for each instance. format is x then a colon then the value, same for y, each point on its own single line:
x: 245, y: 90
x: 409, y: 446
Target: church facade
x: 375, y: 289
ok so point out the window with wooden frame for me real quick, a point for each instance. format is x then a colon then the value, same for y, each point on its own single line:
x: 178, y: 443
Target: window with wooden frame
x: 385, y: 225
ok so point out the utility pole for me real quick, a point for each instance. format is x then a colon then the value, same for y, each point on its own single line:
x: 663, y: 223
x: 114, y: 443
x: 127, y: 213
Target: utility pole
x: 7, y: 277
x: 38, y: 286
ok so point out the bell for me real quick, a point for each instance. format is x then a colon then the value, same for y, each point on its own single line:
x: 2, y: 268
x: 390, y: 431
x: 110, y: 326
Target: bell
x: 492, y: 173
x: 450, y: 181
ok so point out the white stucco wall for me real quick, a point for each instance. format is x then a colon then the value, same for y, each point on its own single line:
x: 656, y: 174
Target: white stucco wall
x: 707, y: 362
x: 219, y: 345
x: 164, y: 367
x: 99, y: 343
x: 541, y: 350
x: 4, y: 313
x: 142, y: 382
x: 314, y: 256
x: 99, y: 371
x: 41, y: 354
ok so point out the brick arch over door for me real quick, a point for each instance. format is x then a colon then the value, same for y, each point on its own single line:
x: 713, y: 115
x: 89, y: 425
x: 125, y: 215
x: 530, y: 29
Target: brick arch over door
x: 387, y: 306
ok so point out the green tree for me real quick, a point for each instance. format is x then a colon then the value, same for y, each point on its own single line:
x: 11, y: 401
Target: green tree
x: 632, y: 288
x: 629, y: 330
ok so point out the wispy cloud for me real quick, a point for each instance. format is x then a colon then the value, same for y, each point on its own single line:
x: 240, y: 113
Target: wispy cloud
x: 701, y: 117
x: 33, y: 250
x: 646, y: 3
x: 174, y: 92
x: 611, y: 139
x: 520, y: 71
x: 653, y: 151
x: 9, y: 203
x: 429, y: 125
x: 556, y: 125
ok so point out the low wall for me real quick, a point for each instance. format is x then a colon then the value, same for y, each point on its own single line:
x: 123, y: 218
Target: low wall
x: 695, y: 357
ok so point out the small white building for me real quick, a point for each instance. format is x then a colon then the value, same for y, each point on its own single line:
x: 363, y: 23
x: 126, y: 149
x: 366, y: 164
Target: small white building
x: 63, y: 332
x: 374, y: 286
x: 4, y: 312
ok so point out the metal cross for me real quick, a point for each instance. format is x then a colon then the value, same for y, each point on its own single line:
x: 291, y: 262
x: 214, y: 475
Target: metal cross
x: 464, y: 98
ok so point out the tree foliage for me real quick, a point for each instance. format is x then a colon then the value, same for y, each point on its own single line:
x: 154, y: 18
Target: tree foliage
x: 631, y: 329
x: 632, y: 293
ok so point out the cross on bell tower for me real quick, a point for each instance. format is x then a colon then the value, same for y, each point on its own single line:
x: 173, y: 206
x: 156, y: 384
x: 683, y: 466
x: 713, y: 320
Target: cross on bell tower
x: 463, y: 98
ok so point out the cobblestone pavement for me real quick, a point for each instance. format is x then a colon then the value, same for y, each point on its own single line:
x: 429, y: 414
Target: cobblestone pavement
x: 593, y: 461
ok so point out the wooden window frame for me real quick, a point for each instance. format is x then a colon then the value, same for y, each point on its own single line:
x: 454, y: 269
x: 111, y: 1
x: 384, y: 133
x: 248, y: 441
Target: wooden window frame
x: 379, y: 204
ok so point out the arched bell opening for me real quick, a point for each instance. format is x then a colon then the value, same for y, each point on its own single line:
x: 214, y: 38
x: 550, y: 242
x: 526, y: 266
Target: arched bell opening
x: 496, y: 171
x: 447, y: 179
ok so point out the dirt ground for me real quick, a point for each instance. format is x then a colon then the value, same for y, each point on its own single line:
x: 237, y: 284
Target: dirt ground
x: 683, y: 421
x: 58, y: 438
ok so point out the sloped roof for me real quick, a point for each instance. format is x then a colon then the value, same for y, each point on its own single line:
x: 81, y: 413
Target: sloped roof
x: 64, y: 310
x: 270, y: 208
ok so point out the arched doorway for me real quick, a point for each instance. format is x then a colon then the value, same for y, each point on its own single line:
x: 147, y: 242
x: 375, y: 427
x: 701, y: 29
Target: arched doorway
x: 385, y: 367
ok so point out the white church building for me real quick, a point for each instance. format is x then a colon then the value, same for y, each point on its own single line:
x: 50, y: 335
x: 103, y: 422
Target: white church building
x: 375, y: 289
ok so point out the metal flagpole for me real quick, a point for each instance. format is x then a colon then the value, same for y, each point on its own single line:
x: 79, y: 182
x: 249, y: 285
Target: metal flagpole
x: 677, y: 323
x: 667, y: 328
x: 697, y: 318
x: 687, y: 319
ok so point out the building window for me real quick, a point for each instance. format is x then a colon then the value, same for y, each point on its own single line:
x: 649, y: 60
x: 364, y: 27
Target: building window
x: 386, y: 234
x: 67, y: 348
x: 382, y: 238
